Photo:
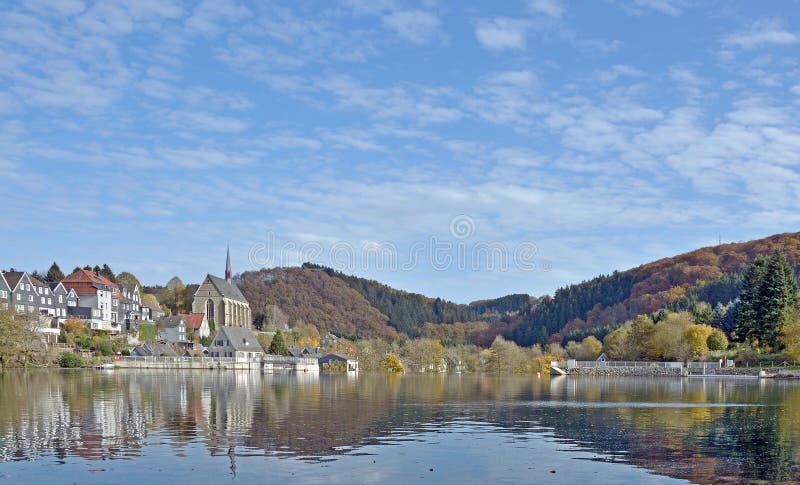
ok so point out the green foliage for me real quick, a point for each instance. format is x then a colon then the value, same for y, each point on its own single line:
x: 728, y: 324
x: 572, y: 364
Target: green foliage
x: 147, y: 332
x: 425, y: 355
x: 54, y: 273
x: 278, y: 345
x: 550, y: 315
x: 70, y: 360
x: 335, y: 366
x: 717, y: 341
x: 768, y: 297
x: 206, y: 341
x: 392, y: 363
x: 103, y: 347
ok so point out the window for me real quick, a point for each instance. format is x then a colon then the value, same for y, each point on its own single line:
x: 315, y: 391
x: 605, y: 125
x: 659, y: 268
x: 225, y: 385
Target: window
x: 30, y: 297
x: 27, y: 287
x: 19, y: 297
x: 41, y: 300
x: 61, y: 298
x: 49, y: 301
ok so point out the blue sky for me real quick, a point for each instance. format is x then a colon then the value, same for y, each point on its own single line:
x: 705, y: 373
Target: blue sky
x: 574, y: 137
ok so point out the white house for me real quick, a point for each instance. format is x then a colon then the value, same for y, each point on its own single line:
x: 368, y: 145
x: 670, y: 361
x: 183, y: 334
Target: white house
x: 238, y: 342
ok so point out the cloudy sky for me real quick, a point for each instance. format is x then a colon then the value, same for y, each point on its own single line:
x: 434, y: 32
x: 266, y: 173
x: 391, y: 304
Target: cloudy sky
x: 462, y: 150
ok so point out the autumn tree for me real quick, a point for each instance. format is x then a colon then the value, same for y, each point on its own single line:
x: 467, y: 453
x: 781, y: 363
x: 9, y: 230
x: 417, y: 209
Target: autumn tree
x: 392, y: 363
x: 717, y: 340
x: 588, y: 349
x: 697, y: 339
x: 128, y: 279
x: 425, y: 354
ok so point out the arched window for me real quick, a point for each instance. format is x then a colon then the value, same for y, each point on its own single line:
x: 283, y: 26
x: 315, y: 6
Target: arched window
x: 209, y: 309
x: 223, y: 318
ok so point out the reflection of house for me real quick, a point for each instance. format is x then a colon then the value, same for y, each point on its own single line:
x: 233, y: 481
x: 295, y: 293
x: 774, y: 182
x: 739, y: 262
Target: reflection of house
x: 222, y: 302
x: 238, y: 342
x: 173, y: 330
x: 329, y: 360
x: 197, y: 323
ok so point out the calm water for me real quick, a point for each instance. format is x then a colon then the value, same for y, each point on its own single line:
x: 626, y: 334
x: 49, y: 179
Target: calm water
x: 219, y: 427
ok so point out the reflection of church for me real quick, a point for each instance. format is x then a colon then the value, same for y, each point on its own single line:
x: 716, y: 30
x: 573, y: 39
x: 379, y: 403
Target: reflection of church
x: 221, y: 300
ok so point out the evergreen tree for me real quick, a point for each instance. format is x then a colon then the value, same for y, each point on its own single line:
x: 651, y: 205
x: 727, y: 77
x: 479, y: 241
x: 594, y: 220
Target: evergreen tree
x: 54, y: 273
x: 107, y: 273
x: 769, y: 294
x: 278, y: 345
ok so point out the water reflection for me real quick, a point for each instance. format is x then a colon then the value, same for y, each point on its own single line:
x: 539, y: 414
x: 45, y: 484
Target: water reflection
x: 699, y: 430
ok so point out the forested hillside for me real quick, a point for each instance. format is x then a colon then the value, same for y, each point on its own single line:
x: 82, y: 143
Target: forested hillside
x: 297, y: 296
x: 408, y: 312
x: 711, y: 274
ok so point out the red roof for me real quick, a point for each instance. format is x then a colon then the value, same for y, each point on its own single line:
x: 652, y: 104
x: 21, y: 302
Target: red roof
x: 84, y: 282
x: 193, y: 320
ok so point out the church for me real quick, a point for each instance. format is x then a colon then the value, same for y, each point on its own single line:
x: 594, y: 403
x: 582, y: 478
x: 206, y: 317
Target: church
x: 221, y: 300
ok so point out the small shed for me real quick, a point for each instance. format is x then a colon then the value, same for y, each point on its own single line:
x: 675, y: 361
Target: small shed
x: 602, y: 358
x: 350, y: 364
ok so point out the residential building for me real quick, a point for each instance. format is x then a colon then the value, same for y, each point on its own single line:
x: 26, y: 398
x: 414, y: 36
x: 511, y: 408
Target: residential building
x: 130, y: 307
x: 349, y: 363
x: 24, y: 295
x: 63, y: 299
x: 99, y: 295
x: 197, y: 323
x: 151, y: 314
x: 5, y: 293
x: 148, y: 349
x: 237, y: 342
x: 222, y: 302
x: 173, y: 330
x: 44, y: 297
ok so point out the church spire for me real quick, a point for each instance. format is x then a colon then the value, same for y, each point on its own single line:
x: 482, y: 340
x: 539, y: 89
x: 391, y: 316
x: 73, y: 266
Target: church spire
x: 228, y: 272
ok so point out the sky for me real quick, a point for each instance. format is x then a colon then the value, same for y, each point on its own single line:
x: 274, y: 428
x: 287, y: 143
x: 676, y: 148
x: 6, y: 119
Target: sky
x: 463, y: 150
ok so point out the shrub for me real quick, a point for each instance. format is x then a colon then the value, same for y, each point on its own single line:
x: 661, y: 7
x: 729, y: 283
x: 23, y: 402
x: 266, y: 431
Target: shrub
x: 70, y: 360
x: 74, y: 325
x: 103, y: 347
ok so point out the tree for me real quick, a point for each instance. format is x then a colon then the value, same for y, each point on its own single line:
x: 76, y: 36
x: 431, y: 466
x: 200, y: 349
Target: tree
x: 73, y: 325
x: 54, y: 273
x: 616, y: 344
x: 10, y: 338
x: 151, y: 301
x: 588, y: 349
x: 697, y: 339
x: 128, y: 279
x: 426, y: 355
x: 769, y: 294
x: 639, y: 341
x: 717, y: 340
x: 668, y: 340
x: 790, y: 338
x: 106, y: 272
x: 392, y: 363
x: 278, y: 345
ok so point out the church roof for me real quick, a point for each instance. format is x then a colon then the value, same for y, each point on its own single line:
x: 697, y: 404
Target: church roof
x: 227, y: 289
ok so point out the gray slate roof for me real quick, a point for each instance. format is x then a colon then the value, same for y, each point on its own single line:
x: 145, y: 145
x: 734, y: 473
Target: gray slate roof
x: 240, y: 338
x: 227, y: 289
x: 171, y: 321
x: 13, y: 277
x: 148, y: 349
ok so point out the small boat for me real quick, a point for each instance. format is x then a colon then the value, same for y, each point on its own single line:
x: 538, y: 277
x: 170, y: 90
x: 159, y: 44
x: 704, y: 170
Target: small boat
x: 105, y: 367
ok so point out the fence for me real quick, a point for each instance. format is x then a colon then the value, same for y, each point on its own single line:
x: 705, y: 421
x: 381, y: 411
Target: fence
x: 203, y: 360
x: 573, y: 364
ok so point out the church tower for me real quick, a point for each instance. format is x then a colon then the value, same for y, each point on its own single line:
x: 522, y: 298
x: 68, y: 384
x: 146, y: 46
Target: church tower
x: 228, y: 272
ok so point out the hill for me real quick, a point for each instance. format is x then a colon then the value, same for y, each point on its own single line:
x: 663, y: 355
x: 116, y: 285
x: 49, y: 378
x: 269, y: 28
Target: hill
x: 299, y: 295
x: 710, y: 274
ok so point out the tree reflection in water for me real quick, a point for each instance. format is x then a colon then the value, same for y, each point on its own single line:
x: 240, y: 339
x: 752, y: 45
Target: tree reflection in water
x: 700, y: 430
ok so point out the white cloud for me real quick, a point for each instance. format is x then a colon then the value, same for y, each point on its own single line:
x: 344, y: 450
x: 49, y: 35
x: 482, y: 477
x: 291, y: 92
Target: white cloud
x: 762, y: 33
x: 502, y: 33
x: 414, y: 26
x: 552, y: 8
x: 685, y: 76
x: 666, y: 7
x: 210, y: 16
x: 619, y: 70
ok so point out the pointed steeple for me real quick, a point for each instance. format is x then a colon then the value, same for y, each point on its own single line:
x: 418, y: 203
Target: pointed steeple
x: 228, y: 272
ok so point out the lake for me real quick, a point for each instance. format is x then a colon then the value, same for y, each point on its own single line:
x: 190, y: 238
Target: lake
x: 135, y: 426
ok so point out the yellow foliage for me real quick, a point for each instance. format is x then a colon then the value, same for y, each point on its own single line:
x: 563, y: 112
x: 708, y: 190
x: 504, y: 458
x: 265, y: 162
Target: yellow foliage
x: 697, y: 339
x: 392, y: 363
x: 790, y: 338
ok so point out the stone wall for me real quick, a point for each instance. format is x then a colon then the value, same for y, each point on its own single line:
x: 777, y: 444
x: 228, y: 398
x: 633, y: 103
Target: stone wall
x: 625, y: 371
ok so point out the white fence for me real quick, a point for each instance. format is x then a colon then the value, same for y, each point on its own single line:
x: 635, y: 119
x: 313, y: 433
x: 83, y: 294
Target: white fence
x: 573, y: 364
x: 204, y: 360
